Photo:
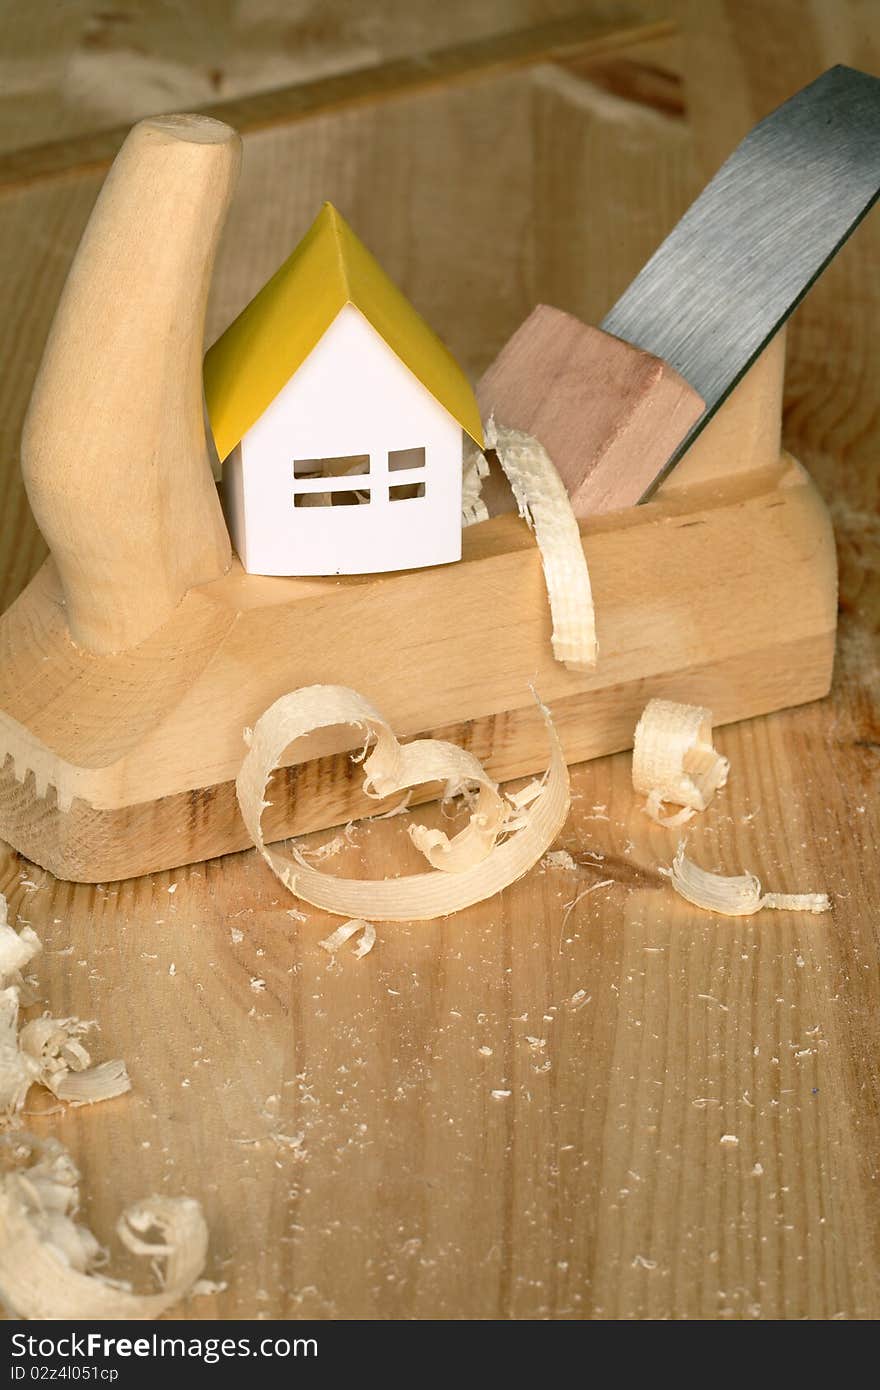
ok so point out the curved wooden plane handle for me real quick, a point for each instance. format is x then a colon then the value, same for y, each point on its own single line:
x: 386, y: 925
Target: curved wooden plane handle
x: 114, y: 454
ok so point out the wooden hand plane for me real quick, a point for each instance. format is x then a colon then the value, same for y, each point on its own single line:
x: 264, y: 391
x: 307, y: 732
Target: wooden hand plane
x: 136, y: 657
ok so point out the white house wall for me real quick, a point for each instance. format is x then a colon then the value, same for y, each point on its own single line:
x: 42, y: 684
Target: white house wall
x: 232, y: 497
x: 351, y: 396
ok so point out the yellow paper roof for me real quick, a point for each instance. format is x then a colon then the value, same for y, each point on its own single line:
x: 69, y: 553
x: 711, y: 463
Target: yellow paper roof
x: 260, y: 351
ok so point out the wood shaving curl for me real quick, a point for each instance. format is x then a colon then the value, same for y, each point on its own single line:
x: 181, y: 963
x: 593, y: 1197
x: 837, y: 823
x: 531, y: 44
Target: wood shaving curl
x: 48, y: 1260
x: 545, y: 506
x: 63, y: 1065
x: 337, y: 939
x: 17, y: 949
x: 674, y: 760
x: 473, y: 508
x: 738, y: 896
x: 17, y: 1072
x: 469, y: 867
x: 47, y: 1050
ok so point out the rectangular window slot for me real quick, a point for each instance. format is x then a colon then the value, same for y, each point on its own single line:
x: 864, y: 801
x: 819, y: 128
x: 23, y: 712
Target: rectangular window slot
x: 406, y: 490
x: 339, y: 498
x: 351, y: 465
x: 398, y: 459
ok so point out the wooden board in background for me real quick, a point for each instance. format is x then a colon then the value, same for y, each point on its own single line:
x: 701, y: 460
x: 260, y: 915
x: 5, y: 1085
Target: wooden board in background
x: 600, y: 1187
x: 461, y: 47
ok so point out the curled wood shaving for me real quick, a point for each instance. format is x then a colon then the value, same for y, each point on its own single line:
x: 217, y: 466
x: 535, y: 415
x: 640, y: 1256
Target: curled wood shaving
x: 48, y: 1260
x: 673, y: 760
x: 473, y: 508
x: 63, y: 1064
x: 17, y: 1072
x: 544, y: 505
x: 337, y: 939
x: 467, y: 868
x: 737, y: 896
x: 17, y: 949
x: 47, y: 1050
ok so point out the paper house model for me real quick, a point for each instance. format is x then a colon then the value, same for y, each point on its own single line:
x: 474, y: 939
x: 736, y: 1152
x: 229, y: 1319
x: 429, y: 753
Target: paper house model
x: 338, y: 415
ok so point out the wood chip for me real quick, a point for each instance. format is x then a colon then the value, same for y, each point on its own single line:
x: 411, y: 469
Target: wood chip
x: 17, y: 1071
x: 559, y: 859
x: 337, y: 939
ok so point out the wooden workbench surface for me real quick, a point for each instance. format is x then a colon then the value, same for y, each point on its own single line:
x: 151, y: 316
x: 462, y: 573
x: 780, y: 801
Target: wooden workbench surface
x: 583, y: 1098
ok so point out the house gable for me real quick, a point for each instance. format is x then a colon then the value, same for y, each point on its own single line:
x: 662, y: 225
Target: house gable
x: 351, y: 397
x: 271, y: 339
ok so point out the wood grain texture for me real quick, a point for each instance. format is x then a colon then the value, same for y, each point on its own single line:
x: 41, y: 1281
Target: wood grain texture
x: 466, y: 55
x: 77, y: 69
x: 609, y: 415
x: 745, y: 432
x: 600, y: 1186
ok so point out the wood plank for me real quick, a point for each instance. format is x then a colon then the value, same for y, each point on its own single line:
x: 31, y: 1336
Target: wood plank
x: 584, y: 33
x: 88, y: 68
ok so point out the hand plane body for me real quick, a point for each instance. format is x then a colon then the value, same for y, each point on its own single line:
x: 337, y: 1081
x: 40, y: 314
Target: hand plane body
x: 134, y: 660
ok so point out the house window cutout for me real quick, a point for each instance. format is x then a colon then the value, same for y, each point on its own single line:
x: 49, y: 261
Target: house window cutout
x: 340, y: 497
x: 344, y: 466
x: 349, y: 466
x: 404, y: 491
x: 398, y: 459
